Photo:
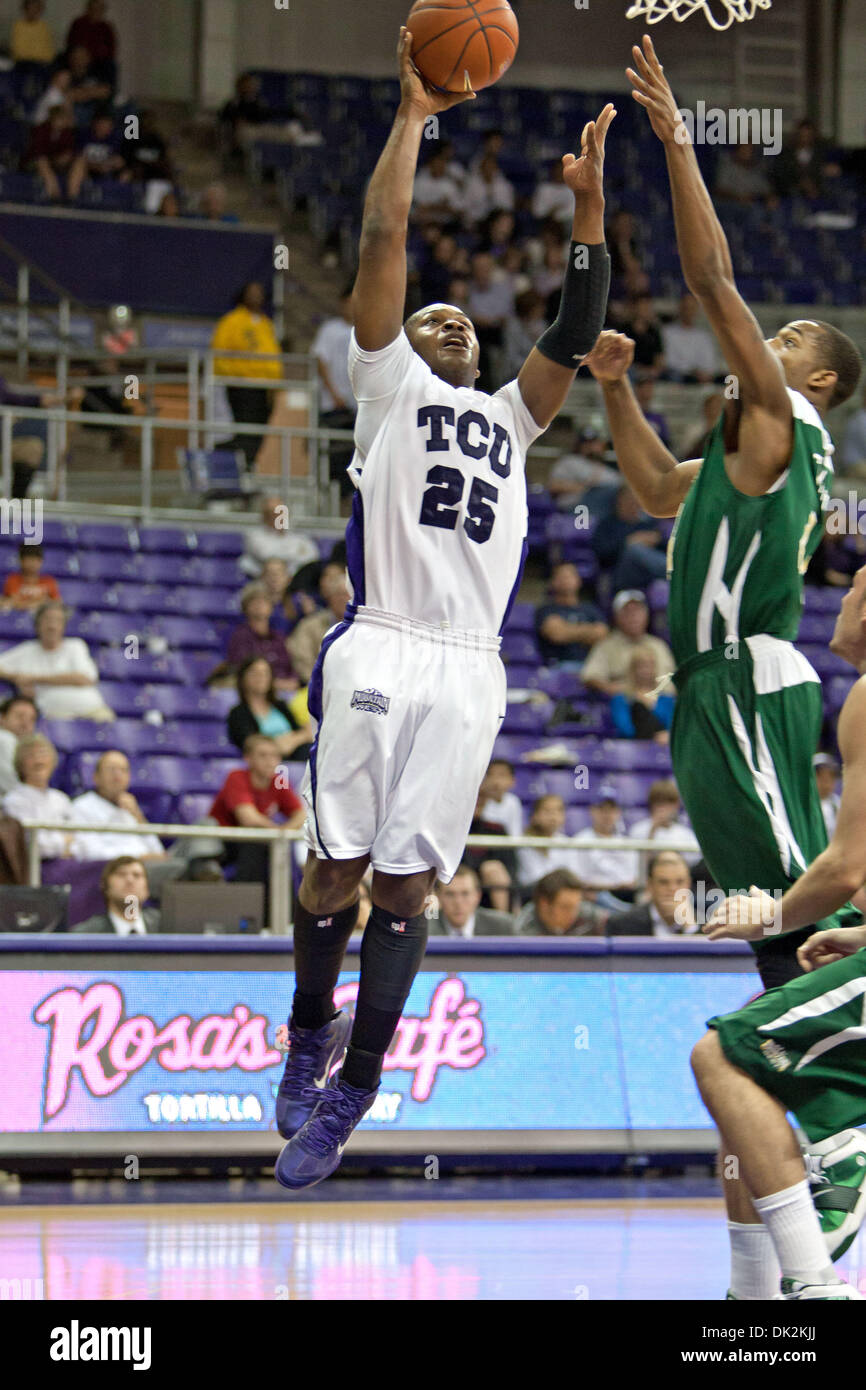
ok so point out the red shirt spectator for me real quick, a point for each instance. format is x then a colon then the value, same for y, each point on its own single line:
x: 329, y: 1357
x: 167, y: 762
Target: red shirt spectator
x: 92, y: 31
x: 27, y: 588
x: 239, y: 790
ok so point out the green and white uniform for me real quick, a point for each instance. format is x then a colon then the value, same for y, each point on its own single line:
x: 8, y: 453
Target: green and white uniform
x: 806, y: 1044
x: 749, y: 709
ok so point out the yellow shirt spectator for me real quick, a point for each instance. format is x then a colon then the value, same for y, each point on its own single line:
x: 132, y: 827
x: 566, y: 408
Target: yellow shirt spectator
x: 242, y: 330
x: 32, y: 40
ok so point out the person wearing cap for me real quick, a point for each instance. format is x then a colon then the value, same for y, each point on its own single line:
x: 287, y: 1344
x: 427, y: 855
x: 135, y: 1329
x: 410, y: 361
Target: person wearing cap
x: 629, y: 544
x: 567, y: 627
x: 609, y: 876
x: 827, y: 777
x: 584, y: 476
x: 668, y: 910
x: 607, y: 666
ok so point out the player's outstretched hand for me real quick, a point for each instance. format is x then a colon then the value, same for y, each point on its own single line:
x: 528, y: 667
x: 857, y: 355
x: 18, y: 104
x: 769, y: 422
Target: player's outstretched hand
x: 414, y: 91
x: 584, y: 173
x: 651, y: 88
x: 743, y: 917
x: 825, y: 947
x: 611, y: 357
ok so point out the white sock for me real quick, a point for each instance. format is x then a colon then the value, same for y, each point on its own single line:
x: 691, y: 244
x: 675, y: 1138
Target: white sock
x: 754, y: 1267
x: 795, y: 1232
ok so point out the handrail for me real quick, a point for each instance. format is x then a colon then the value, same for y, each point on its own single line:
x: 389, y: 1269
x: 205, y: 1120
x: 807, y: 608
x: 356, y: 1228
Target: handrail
x: 280, y: 887
x: 12, y: 251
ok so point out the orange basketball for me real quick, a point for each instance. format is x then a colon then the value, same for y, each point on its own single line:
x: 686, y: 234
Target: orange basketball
x: 453, y: 39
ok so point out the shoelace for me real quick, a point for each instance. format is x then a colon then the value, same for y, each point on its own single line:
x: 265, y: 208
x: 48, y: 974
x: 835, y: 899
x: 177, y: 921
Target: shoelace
x: 300, y: 1067
x: 815, y: 1174
x: 332, y: 1122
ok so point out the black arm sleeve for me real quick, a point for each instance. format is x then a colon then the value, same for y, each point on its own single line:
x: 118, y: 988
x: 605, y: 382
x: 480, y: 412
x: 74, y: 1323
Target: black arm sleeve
x: 582, y: 307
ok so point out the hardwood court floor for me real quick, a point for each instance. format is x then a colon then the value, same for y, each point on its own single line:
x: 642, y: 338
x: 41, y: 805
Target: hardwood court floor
x: 376, y: 1250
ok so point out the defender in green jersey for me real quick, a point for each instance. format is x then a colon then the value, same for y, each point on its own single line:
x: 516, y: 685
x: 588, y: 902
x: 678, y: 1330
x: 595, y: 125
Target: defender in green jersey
x: 749, y: 706
x: 749, y: 516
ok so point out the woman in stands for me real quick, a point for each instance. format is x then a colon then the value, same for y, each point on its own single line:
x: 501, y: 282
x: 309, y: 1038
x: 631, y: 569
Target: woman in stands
x: 261, y: 711
x: 35, y: 763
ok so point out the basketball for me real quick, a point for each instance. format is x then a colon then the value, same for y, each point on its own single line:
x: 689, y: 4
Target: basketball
x: 454, y: 41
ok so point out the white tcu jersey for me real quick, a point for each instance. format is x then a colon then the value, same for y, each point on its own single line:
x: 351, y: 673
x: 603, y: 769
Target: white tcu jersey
x: 439, y: 520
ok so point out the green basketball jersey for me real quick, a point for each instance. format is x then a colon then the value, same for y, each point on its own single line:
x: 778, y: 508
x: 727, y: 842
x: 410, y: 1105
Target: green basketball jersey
x: 736, y: 563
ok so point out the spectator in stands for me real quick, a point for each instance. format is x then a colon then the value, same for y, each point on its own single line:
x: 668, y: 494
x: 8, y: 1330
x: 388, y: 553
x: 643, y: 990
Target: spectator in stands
x: 55, y: 94
x: 274, y: 540
x: 498, y: 232
x: 460, y: 911
x: 584, y: 477
x: 275, y: 580
x: 826, y: 779
x: 805, y: 164
x: 31, y: 44
x: 30, y: 435
x: 35, y: 799
x: 88, y: 86
x: 548, y: 275
x: 607, y: 666
x: 852, y: 455
x: 446, y: 259
x: 637, y: 711
x: 629, y: 544
x: 554, y: 198
x: 243, y: 116
x: 458, y: 293
x: 17, y: 720
x: 840, y: 557
x: 739, y: 176
x: 492, y: 143
x: 337, y: 405
x: 306, y: 639
x: 147, y: 154
x: 496, y: 868
x: 257, y: 795
x: 125, y: 889
x: 255, y: 637
x: 522, y: 330
x: 52, y: 152
x: 558, y: 908
x: 548, y: 820
x: 642, y: 323
x: 501, y: 806
x: 609, y: 876
x: 622, y: 243
x: 711, y: 407
x: 213, y: 204
x: 486, y: 190
x: 95, y: 34
x: 644, y: 388
x: 437, y: 196
x: 491, y: 303
x: 55, y: 670
x: 111, y: 803
x: 169, y: 206
x: 27, y: 588
x: 669, y: 910
x: 247, y: 328
x: 663, y: 825
x: 100, y: 156
x: 261, y: 711
x: 566, y: 627
x: 455, y: 168
x: 689, y: 351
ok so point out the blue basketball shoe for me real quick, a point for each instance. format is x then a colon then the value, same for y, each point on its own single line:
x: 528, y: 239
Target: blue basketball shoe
x: 312, y: 1054
x: 315, y: 1151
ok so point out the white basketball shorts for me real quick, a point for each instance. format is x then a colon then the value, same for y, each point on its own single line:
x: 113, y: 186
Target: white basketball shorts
x: 408, y: 715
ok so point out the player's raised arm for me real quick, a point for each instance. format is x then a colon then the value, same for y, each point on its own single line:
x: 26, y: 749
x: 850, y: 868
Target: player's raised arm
x: 766, y: 423
x: 546, y: 376
x: 656, y: 478
x: 379, y: 296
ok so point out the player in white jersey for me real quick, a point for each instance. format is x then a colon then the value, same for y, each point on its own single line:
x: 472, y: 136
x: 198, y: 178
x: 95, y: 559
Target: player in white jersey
x: 409, y: 690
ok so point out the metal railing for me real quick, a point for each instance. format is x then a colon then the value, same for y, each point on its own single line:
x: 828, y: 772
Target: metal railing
x: 279, y: 840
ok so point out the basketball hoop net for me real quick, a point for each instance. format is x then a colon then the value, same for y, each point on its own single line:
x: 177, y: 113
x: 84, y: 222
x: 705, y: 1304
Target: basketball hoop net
x: 654, y: 10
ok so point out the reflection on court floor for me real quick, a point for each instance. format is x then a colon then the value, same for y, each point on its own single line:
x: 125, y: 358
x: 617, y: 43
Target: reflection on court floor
x: 373, y: 1251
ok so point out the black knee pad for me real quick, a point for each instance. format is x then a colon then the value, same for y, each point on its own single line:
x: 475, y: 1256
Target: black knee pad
x: 392, y: 950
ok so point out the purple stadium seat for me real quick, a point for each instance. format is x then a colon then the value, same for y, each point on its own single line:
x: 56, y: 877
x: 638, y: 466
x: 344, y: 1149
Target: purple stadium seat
x: 219, y: 573
x: 105, y: 628
x: 533, y: 782
x: 522, y: 675
x: 185, y: 632
x: 632, y: 755
x: 61, y: 533
x: 825, y: 662
x: 83, y: 735
x: 170, y: 539
x: 107, y: 536
x: 121, y: 696
x: 228, y: 543
x: 559, y: 685
x: 657, y: 594
x: 110, y: 565
x: 209, y: 603
x: 15, y: 627
x: 519, y: 647
x: 159, y: 806
x: 633, y: 789
x: 525, y: 718
x: 114, y: 666
x: 86, y: 593
x: 816, y: 627
x: 577, y: 818
x: 193, y: 806
x: 522, y: 618
x: 822, y: 600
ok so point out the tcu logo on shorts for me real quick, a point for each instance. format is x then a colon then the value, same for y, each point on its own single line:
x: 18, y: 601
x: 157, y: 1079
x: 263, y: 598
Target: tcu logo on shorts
x: 371, y: 700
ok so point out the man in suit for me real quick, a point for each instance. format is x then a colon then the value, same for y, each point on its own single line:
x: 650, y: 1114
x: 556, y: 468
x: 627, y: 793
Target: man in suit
x: 670, y: 909
x: 124, y: 887
x: 460, y: 913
